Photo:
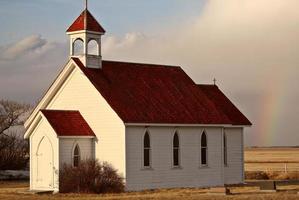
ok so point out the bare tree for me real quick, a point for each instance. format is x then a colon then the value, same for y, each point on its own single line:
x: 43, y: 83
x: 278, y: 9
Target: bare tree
x: 11, y: 114
x: 13, y: 152
x: 13, y: 148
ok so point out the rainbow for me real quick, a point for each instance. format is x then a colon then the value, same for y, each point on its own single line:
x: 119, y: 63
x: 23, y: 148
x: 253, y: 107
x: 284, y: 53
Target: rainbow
x: 271, y: 107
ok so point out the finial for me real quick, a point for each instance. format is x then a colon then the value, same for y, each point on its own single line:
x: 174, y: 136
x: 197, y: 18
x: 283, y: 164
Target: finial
x: 86, y: 4
x: 85, y: 15
x: 214, y: 80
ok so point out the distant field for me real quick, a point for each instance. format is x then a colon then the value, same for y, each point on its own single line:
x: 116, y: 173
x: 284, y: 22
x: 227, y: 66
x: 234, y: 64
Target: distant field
x: 19, y: 191
x: 272, y: 159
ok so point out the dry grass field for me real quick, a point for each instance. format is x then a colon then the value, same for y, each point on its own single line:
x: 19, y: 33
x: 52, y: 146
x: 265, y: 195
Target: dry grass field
x: 272, y: 159
x: 17, y: 191
x: 256, y: 159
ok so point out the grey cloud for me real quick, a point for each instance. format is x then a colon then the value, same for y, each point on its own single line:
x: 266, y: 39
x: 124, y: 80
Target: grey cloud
x: 22, y: 48
x: 251, y: 47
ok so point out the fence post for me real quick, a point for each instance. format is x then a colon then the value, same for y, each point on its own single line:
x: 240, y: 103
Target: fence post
x: 285, y: 168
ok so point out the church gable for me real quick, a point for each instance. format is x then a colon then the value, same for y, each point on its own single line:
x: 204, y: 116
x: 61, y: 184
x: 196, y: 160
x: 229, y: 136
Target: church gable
x: 71, y: 90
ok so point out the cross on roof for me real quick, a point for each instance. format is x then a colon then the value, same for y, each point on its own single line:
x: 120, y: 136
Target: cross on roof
x: 214, y: 80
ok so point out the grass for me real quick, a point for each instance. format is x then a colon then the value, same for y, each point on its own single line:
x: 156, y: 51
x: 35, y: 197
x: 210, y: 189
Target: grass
x: 15, y: 191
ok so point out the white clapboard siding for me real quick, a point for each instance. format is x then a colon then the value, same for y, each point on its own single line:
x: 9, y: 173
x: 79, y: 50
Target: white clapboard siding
x: 67, y: 146
x: 233, y: 172
x: 162, y: 175
x: 42, y: 131
x: 78, y: 93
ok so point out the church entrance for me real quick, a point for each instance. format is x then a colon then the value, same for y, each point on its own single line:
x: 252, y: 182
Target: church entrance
x: 45, y: 172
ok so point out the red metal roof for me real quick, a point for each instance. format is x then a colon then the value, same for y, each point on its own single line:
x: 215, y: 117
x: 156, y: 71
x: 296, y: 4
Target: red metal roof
x: 145, y: 93
x: 224, y: 104
x: 68, y: 123
x: 91, y: 23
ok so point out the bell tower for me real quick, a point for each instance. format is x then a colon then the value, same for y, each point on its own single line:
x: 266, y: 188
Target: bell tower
x: 85, y: 39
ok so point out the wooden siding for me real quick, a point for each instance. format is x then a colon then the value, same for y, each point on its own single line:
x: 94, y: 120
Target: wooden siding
x: 77, y: 93
x: 233, y: 172
x: 162, y: 174
x: 67, y: 145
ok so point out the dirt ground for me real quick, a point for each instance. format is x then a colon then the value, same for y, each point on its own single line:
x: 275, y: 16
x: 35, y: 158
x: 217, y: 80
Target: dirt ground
x: 19, y: 191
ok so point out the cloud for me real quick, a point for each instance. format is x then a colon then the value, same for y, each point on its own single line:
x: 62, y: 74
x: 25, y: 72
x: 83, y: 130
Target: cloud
x: 249, y: 46
x: 21, y: 48
x: 29, y: 66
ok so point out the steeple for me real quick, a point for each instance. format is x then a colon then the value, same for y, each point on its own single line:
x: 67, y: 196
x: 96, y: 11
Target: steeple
x: 85, y: 39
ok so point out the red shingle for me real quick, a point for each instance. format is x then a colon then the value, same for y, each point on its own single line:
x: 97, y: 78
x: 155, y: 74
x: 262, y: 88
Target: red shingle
x: 68, y: 123
x: 144, y: 93
x: 91, y: 23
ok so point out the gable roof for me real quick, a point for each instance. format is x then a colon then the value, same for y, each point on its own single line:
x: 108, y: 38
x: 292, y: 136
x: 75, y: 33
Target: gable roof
x: 158, y: 94
x: 68, y: 123
x: 86, y: 22
x: 224, y: 104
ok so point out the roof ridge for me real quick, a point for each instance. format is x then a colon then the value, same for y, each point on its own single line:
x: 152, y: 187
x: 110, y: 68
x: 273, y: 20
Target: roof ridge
x: 140, y: 63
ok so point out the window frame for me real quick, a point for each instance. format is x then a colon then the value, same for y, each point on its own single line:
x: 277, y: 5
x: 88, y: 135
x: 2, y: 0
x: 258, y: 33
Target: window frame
x: 148, y: 148
x: 89, y: 47
x: 76, y: 47
x: 76, y: 146
x: 178, y: 153
x: 204, y: 132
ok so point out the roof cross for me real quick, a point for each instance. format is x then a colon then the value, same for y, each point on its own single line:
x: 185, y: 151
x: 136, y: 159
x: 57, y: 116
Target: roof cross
x: 214, y: 80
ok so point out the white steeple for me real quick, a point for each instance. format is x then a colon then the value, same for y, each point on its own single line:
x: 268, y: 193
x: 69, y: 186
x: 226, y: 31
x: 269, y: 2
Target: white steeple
x: 85, y: 39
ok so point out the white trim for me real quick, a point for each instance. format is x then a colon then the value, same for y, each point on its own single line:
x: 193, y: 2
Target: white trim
x: 32, y: 126
x: 222, y: 158
x: 225, y: 152
x: 242, y: 156
x: 188, y: 125
x: 84, y: 31
x: 51, y: 92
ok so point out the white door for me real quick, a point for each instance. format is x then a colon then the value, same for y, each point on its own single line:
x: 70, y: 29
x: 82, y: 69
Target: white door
x: 45, y: 170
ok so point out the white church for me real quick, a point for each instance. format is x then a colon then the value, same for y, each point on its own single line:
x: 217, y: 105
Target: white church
x: 153, y: 123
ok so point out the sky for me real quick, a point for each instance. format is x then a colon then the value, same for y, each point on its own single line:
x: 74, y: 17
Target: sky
x: 249, y: 46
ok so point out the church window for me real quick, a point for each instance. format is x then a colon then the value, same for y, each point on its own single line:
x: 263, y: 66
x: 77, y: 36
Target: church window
x: 93, y: 47
x: 146, y: 150
x: 204, y: 149
x: 78, y: 47
x: 76, y: 156
x: 176, y: 150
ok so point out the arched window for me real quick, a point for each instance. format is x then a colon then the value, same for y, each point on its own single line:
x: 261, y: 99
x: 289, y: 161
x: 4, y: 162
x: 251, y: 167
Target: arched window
x: 93, y: 47
x: 146, y: 150
x: 204, y: 149
x: 76, y: 156
x: 78, y: 47
x: 224, y: 149
x: 176, y: 150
